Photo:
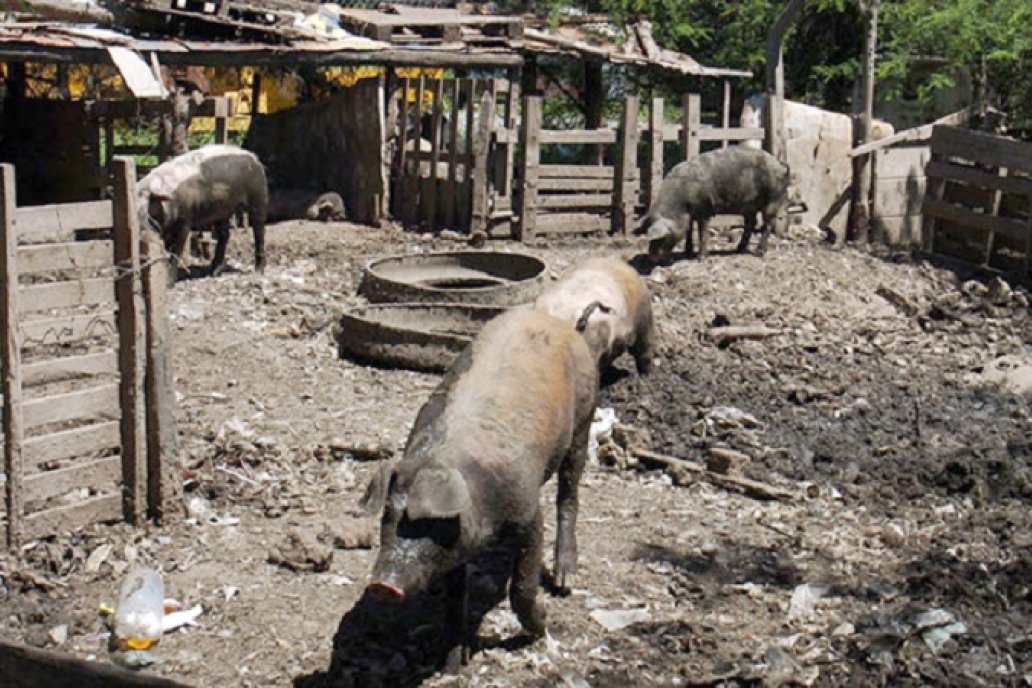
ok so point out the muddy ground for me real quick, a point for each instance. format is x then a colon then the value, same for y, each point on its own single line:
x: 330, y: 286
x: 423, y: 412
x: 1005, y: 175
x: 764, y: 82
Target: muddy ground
x: 905, y: 559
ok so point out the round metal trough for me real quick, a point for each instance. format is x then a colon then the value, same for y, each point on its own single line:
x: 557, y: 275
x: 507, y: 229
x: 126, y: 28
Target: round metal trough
x: 479, y: 277
x: 418, y: 336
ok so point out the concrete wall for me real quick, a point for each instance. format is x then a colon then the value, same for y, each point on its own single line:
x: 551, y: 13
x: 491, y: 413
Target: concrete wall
x: 818, y: 144
x: 331, y: 145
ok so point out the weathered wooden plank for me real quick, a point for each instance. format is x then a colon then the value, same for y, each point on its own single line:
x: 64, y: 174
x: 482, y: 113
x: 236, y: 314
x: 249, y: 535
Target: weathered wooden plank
x: 690, y: 125
x: 449, y: 195
x: 725, y: 111
x: 99, y: 291
x: 29, y: 667
x: 71, y: 443
x: 572, y: 223
x: 10, y: 357
x: 73, y: 517
x: 548, y: 201
x: 576, y: 171
x: 730, y: 134
x: 132, y: 335
x: 401, y: 174
x: 943, y: 210
x: 481, y: 154
x: 435, y: 153
x: 530, y: 141
x: 654, y: 178
x: 87, y: 404
x: 69, y: 368
x: 93, y: 474
x: 971, y: 175
x: 65, y: 256
x: 164, y: 480
x: 982, y: 148
x: 570, y: 184
x: 578, y: 136
x: 67, y: 329
x: 625, y: 191
x: 58, y: 223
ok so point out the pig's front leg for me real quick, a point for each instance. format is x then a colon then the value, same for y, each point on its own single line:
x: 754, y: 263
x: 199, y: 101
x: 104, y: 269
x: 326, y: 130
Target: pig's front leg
x: 566, y: 506
x: 526, y: 575
x: 218, y: 263
x: 457, y: 619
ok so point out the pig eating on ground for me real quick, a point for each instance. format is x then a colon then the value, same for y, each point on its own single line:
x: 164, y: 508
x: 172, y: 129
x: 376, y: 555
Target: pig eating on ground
x: 621, y: 319
x: 203, y: 188
x: 733, y: 180
x: 302, y: 204
x: 515, y: 407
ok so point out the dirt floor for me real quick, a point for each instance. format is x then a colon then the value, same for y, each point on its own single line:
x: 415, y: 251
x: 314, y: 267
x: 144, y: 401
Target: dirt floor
x: 905, y: 557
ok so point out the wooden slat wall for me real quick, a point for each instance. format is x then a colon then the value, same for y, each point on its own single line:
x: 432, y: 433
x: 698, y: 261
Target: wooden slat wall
x: 77, y: 419
x: 979, y: 201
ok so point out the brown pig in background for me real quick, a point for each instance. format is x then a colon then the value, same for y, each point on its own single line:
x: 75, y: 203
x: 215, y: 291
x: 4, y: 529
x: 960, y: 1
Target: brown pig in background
x: 606, y: 299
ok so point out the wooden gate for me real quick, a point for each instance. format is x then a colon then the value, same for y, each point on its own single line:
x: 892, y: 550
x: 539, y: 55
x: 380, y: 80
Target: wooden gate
x: 454, y: 156
x: 558, y: 199
x: 979, y: 202
x: 88, y: 429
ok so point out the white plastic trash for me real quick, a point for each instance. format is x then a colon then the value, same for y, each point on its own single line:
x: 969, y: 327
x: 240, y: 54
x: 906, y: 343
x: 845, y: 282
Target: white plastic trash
x: 141, y: 610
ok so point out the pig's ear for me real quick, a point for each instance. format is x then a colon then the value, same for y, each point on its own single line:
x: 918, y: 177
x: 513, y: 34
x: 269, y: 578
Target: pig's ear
x: 375, y: 495
x: 437, y: 493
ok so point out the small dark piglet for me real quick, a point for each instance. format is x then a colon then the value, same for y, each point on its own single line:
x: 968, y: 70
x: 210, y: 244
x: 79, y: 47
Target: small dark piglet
x: 515, y: 407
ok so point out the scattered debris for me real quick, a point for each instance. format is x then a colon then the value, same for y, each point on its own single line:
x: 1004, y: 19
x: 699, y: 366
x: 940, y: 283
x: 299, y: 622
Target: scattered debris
x: 617, y: 619
x: 302, y: 552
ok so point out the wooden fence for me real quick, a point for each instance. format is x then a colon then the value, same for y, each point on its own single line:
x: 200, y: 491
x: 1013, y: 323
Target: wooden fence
x: 104, y: 114
x: 88, y: 424
x: 558, y: 199
x: 455, y: 170
x: 979, y: 200
x: 587, y: 198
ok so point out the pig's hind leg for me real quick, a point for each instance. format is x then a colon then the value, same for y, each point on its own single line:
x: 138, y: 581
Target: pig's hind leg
x: 566, y: 505
x: 526, y: 575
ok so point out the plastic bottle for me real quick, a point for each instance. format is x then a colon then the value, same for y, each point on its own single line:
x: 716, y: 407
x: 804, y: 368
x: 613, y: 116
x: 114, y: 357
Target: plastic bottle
x: 138, y: 619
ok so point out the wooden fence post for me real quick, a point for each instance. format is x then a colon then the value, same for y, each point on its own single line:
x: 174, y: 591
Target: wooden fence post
x: 624, y: 192
x: 656, y: 124
x: 435, y: 154
x: 481, y: 151
x: 469, y: 91
x: 131, y: 337
x: 222, y: 120
x: 691, y: 125
x: 10, y: 356
x: 449, y: 196
x: 164, y: 483
x: 413, y: 197
x: 530, y: 142
x: 725, y: 116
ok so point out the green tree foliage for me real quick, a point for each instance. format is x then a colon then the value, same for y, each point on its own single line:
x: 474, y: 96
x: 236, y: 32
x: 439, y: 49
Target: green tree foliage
x: 989, y: 40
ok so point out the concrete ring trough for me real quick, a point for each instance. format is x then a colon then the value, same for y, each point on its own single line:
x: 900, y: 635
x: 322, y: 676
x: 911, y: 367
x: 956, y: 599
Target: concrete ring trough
x: 478, y: 277
x: 418, y: 336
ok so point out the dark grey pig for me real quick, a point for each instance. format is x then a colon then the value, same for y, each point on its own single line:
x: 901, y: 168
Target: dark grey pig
x: 302, y: 204
x: 205, y: 188
x: 514, y: 408
x: 733, y: 181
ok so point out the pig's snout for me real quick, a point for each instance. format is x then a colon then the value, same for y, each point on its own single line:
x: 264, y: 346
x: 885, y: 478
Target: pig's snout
x: 385, y: 592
